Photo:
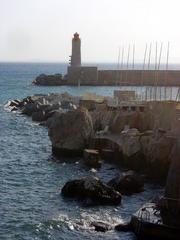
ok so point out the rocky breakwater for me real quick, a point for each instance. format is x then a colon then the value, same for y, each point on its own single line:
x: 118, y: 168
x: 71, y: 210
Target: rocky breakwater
x: 143, y: 141
x: 70, y: 127
x: 42, y: 107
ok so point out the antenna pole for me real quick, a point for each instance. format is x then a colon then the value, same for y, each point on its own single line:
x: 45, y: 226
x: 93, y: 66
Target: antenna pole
x: 127, y: 65
x: 155, y: 73
x: 142, y: 75
x: 118, y: 65
x: 149, y: 62
x: 132, y: 78
x: 159, y: 64
x: 133, y: 56
x: 122, y: 63
x: 167, y: 66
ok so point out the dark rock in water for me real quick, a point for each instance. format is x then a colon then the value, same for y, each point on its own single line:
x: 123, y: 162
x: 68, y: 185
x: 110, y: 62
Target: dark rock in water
x: 128, y: 183
x: 123, y: 227
x: 49, y: 80
x: 91, y: 188
x: 101, y: 226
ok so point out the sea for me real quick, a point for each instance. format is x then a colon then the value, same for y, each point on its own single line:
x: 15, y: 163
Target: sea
x: 31, y: 178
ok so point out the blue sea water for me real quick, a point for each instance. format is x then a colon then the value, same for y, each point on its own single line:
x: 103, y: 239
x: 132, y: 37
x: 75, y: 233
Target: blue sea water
x: 31, y: 206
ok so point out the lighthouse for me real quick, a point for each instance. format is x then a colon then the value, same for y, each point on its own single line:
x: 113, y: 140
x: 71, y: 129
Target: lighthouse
x: 76, y: 73
x: 76, y: 51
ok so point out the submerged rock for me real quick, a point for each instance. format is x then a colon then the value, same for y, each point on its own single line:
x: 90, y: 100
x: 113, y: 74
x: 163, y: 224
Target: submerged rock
x: 123, y: 227
x: 91, y: 188
x: 71, y: 131
x: 101, y: 226
x: 128, y: 183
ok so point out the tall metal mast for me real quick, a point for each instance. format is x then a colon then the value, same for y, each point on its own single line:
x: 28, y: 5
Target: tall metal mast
x: 118, y: 66
x: 142, y: 74
x: 127, y: 65
x: 149, y: 62
x: 159, y: 64
x: 133, y: 56
x: 167, y: 66
x: 122, y: 63
x: 155, y: 72
x: 133, y: 61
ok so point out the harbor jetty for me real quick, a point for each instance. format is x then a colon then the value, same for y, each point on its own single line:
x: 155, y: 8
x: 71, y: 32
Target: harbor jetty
x: 139, y: 136
x: 78, y: 74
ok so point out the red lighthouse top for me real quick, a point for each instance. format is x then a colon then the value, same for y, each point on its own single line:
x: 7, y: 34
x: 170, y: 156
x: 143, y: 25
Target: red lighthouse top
x: 76, y: 36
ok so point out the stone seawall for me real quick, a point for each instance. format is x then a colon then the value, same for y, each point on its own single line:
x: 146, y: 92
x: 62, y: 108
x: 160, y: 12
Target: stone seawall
x: 139, y: 77
x: 91, y: 76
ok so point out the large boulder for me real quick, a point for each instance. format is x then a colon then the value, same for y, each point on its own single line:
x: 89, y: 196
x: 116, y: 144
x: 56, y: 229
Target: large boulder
x: 71, y: 132
x: 131, y: 150
x: 128, y: 183
x: 91, y: 188
x: 157, y: 151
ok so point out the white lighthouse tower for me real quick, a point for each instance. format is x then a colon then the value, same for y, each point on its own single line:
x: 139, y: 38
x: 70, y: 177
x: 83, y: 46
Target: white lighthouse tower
x: 76, y: 51
x: 76, y: 73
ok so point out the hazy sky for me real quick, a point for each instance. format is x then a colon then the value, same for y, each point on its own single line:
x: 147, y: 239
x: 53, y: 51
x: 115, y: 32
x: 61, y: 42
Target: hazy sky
x: 41, y: 30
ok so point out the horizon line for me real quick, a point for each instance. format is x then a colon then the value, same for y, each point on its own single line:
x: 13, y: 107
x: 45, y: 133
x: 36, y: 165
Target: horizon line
x: 85, y: 62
